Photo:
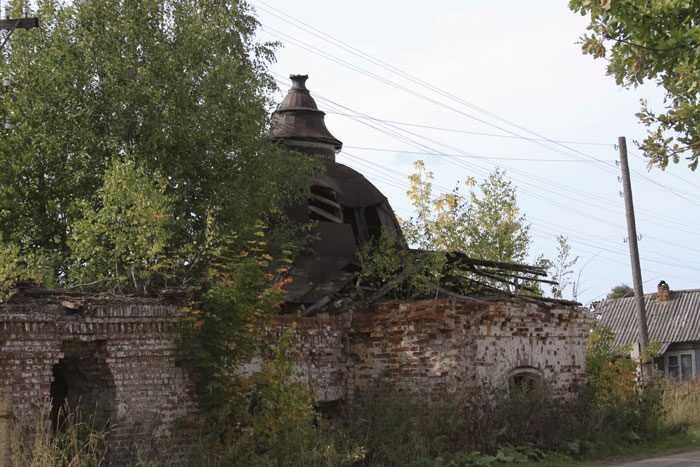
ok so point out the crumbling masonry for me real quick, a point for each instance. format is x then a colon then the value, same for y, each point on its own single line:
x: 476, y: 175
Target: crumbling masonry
x: 120, y: 357
x: 115, y: 357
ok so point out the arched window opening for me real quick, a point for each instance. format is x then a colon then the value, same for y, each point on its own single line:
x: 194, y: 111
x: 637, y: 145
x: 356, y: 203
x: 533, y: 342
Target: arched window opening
x: 525, y: 381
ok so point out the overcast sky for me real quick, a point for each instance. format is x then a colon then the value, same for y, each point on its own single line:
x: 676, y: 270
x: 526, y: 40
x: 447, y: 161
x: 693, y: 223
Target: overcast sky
x: 490, y: 75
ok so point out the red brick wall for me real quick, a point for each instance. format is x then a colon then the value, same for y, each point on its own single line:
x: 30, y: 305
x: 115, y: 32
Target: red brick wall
x: 432, y: 347
x: 438, y: 347
x: 135, y: 353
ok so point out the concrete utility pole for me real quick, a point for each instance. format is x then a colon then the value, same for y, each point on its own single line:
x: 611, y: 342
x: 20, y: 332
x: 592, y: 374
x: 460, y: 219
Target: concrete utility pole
x: 642, y: 330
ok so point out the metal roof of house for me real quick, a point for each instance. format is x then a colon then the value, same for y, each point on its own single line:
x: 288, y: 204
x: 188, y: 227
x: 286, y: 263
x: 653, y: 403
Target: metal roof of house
x: 676, y: 320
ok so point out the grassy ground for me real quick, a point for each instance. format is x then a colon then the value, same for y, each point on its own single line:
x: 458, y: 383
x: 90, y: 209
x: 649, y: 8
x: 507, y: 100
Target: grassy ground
x: 473, y: 430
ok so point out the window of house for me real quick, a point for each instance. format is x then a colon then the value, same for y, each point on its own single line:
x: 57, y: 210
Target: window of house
x: 680, y: 364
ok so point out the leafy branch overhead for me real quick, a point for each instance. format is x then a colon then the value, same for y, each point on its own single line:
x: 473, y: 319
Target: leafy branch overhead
x: 654, y: 40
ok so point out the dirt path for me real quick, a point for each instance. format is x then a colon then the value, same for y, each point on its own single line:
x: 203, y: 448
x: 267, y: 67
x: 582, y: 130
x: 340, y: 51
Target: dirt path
x: 685, y: 458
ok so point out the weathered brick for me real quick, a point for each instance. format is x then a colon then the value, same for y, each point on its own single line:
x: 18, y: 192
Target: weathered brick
x: 432, y: 347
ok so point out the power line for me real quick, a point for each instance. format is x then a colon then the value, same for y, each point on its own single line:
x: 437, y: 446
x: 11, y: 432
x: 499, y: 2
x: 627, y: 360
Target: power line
x: 326, y: 37
x: 406, y: 185
x: 455, y: 130
x: 291, y: 20
x: 282, y: 36
x: 393, y: 132
x: 525, y: 159
x: 548, y: 183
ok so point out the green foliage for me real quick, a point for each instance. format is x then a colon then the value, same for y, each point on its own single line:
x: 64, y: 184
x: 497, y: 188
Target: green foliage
x: 15, y: 266
x: 395, y: 428
x: 230, y: 324
x: 621, y: 291
x: 655, y: 40
x: 621, y: 409
x: 385, y: 260
x: 247, y: 367
x: 127, y: 236
x: 283, y: 415
x: 611, y: 373
x: 488, y: 225
x: 497, y: 231
x: 485, y: 225
x: 562, y: 267
x: 441, y: 222
x: 176, y: 88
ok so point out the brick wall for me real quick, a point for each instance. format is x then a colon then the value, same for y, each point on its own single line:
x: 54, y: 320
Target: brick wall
x: 119, y: 355
x: 438, y: 347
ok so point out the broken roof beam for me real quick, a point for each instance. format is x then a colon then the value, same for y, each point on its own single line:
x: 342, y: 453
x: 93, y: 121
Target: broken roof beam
x: 459, y: 257
x: 493, y: 274
x: 501, y: 279
x: 388, y: 287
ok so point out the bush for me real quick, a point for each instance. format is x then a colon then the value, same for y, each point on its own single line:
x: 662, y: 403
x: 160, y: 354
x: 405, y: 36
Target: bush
x: 480, y: 427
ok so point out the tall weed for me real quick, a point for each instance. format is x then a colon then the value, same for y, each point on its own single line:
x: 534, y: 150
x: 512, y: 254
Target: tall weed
x: 681, y: 402
x: 76, y: 442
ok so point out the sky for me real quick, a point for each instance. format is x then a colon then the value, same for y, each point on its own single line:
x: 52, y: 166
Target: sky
x: 471, y: 86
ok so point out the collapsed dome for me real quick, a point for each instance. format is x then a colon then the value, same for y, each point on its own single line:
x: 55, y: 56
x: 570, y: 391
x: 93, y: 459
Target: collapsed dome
x: 349, y: 210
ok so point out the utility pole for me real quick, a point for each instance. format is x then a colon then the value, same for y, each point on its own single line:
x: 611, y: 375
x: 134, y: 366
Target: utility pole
x: 10, y: 24
x: 642, y: 330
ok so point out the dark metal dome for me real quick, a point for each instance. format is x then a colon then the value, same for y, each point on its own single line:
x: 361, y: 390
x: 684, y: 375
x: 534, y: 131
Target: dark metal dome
x: 348, y: 210
x: 298, y: 117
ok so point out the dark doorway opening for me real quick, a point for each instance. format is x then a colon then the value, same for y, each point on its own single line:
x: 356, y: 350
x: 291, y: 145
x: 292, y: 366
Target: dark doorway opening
x: 82, y: 390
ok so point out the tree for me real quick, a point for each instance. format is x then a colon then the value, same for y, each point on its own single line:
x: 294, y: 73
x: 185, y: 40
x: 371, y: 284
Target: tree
x: 174, y: 92
x: 611, y: 374
x: 486, y: 224
x: 497, y: 231
x: 236, y: 321
x: 441, y: 222
x: 562, y: 268
x: 127, y: 236
x: 621, y: 291
x: 654, y: 40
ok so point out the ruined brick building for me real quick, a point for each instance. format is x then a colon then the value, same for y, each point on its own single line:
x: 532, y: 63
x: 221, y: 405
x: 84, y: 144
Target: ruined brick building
x: 118, y: 356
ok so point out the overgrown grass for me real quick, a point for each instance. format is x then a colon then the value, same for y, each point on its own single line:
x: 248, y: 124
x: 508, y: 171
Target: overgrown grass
x: 390, y: 428
x: 681, y: 401
x: 665, y: 416
x: 76, y: 443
